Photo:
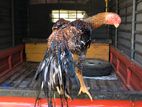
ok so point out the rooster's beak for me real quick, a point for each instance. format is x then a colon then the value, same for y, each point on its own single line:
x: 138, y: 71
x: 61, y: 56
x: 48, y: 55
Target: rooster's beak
x: 116, y: 25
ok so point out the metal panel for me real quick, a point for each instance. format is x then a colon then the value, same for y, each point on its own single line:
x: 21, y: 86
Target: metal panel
x: 124, y: 42
x: 20, y: 20
x: 97, y: 6
x: 139, y: 27
x: 123, y: 35
x: 56, y: 1
x: 133, y: 29
x: 138, y: 57
x: 13, y: 22
x: 124, y: 31
x: 130, y: 31
x: 112, y: 31
x: 5, y: 24
x: 112, y: 34
x: 138, y: 33
x: 40, y: 21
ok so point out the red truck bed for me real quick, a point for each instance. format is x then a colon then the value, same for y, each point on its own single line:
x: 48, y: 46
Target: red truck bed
x: 21, y: 83
x: 29, y: 102
x: 110, y: 91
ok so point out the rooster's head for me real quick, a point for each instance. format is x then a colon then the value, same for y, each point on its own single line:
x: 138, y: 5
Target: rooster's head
x: 113, y: 19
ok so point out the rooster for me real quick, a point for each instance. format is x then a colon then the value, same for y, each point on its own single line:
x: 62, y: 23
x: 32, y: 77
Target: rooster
x: 57, y: 72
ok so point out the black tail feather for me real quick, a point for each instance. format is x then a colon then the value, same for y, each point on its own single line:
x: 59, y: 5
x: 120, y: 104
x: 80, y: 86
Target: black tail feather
x: 57, y: 74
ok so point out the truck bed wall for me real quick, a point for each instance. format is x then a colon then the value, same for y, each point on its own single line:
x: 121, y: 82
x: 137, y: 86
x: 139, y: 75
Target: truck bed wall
x: 129, y: 72
x: 9, y: 59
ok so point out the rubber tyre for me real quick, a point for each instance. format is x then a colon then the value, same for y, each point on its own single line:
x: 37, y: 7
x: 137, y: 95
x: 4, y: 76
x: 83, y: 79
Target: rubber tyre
x: 96, y: 67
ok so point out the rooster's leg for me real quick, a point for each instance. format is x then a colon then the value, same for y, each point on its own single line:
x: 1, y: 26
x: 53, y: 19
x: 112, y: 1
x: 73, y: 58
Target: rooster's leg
x: 83, y: 87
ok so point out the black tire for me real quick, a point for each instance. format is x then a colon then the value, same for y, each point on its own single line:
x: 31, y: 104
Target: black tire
x: 96, y: 67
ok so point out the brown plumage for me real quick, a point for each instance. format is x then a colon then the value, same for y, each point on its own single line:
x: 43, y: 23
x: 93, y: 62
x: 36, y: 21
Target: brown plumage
x: 95, y: 22
x: 100, y: 19
x: 57, y: 34
x: 55, y: 29
x: 73, y: 33
x: 57, y: 71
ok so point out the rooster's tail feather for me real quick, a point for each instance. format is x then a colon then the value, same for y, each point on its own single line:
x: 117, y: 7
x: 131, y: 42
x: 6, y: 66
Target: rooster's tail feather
x: 57, y: 72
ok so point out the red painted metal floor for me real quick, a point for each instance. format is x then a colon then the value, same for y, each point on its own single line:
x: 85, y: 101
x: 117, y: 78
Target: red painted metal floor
x: 29, y: 102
